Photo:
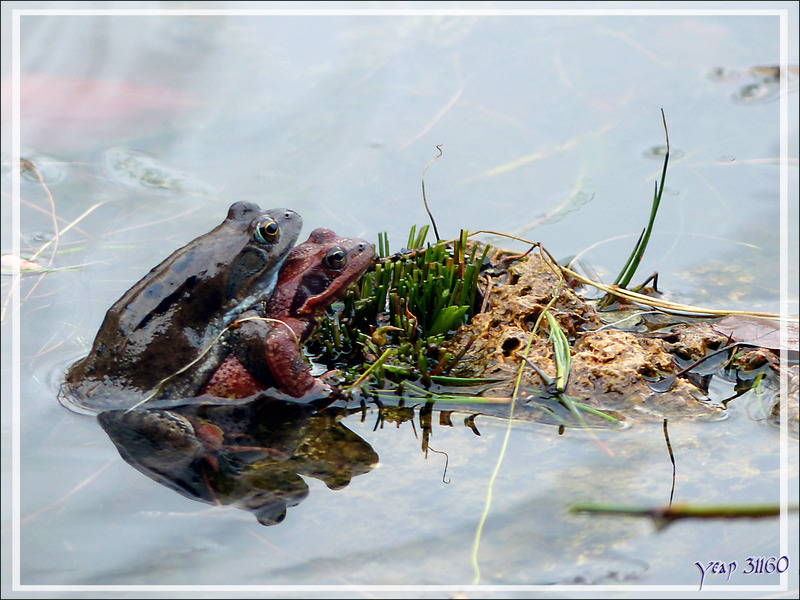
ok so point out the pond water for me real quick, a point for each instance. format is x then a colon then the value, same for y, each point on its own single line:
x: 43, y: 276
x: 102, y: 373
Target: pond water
x: 145, y: 127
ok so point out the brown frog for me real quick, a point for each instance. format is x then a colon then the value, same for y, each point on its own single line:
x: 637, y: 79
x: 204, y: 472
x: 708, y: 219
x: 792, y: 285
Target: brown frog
x: 170, y: 332
x: 315, y: 274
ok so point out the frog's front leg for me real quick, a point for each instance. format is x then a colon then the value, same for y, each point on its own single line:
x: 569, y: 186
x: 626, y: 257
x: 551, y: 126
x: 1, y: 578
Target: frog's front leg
x: 287, y: 364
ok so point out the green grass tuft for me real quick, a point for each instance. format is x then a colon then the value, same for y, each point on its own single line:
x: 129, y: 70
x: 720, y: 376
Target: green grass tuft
x: 409, y: 304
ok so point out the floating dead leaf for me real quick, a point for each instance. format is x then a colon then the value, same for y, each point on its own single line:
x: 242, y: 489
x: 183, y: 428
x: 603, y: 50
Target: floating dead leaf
x: 11, y: 261
x: 765, y: 333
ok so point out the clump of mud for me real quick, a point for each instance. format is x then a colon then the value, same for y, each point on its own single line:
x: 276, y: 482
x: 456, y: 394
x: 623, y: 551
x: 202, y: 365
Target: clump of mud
x: 610, y: 369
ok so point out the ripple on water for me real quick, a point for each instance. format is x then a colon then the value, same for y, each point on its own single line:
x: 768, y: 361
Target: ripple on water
x: 36, y: 166
x: 138, y: 170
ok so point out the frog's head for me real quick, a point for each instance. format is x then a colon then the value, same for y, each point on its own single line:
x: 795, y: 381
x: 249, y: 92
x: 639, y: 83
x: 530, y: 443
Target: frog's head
x: 261, y: 241
x: 317, y: 272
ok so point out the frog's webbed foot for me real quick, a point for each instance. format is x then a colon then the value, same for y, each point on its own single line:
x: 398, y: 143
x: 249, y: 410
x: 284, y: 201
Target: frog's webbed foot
x: 320, y: 389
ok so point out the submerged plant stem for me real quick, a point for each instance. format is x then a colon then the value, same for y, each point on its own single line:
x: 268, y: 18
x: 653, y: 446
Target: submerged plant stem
x: 476, y: 567
x: 664, y: 516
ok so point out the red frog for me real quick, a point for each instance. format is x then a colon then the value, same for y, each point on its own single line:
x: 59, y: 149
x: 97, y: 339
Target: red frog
x: 314, y: 275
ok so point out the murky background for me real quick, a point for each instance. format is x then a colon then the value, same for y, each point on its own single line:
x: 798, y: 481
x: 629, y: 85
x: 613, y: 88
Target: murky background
x: 145, y: 129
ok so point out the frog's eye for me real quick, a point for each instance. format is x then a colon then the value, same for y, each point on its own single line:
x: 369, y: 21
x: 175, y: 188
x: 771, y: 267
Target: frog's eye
x: 336, y: 258
x: 267, y: 231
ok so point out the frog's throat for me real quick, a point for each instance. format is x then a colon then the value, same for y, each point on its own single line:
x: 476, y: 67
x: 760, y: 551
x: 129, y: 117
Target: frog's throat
x: 262, y: 292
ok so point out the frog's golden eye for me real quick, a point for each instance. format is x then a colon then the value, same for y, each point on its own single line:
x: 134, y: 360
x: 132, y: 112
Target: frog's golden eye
x: 336, y: 258
x: 267, y: 231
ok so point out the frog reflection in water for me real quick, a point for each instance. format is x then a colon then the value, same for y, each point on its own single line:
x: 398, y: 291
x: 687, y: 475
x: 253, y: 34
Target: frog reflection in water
x: 251, y: 456
x: 167, y: 337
